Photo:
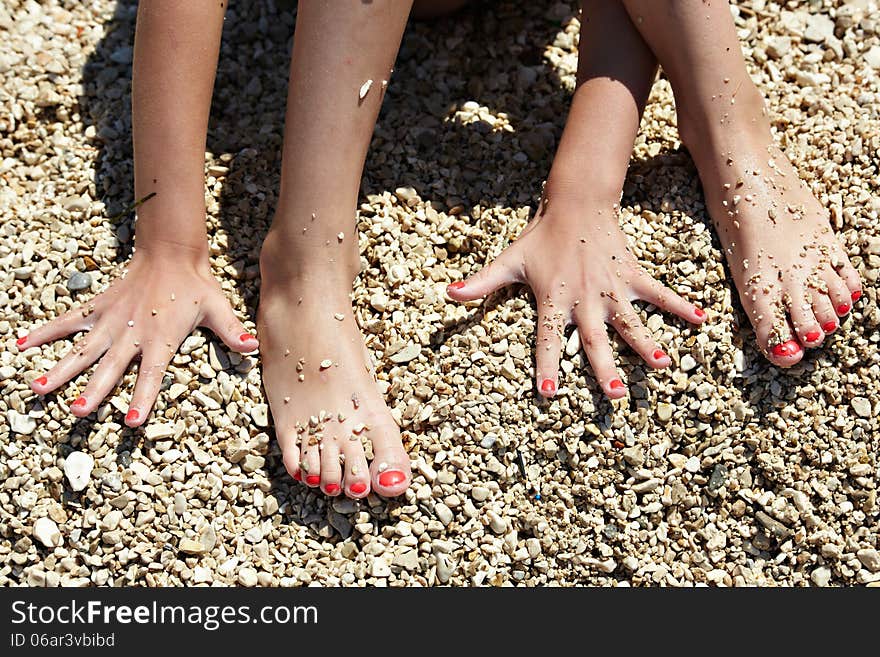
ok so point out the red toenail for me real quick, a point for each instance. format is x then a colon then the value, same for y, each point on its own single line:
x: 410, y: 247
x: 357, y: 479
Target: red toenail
x: 244, y: 337
x: 659, y: 354
x: 132, y: 416
x: 332, y: 489
x: 615, y: 384
x: 80, y: 401
x: 42, y: 380
x: 298, y: 475
x: 548, y: 386
x: 843, y: 309
x: 699, y: 312
x: 829, y: 327
x: 21, y: 341
x: 856, y: 295
x: 391, y: 477
x: 789, y: 348
x: 313, y: 480
x: 812, y: 336
x: 456, y: 286
x: 358, y: 488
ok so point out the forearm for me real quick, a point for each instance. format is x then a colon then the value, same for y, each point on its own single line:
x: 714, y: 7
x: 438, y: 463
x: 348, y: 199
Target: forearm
x: 615, y: 72
x: 175, y: 59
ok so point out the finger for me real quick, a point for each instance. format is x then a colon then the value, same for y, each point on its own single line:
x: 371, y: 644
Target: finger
x: 548, y: 350
x: 73, y: 321
x: 594, y: 338
x: 628, y: 323
x: 152, y: 368
x: 84, y: 352
x: 504, y: 270
x: 653, y: 291
x: 108, y: 373
x: 221, y: 319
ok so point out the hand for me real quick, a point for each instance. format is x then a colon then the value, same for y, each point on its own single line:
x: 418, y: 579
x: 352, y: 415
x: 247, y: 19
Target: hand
x: 577, y: 263
x: 148, y: 311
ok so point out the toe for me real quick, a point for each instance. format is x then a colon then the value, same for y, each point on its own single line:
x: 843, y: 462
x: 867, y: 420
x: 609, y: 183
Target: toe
x: 850, y: 278
x: 289, y: 443
x: 331, y: 470
x: 803, y: 319
x: 356, y: 478
x: 839, y: 293
x: 311, y: 459
x: 391, y: 473
x: 823, y: 310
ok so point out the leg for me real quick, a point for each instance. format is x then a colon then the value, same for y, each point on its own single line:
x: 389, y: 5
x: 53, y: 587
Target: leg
x: 573, y: 254
x: 317, y: 372
x: 793, y: 277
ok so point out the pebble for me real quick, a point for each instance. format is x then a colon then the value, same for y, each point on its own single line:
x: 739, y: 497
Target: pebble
x: 79, y: 281
x: 861, y: 406
x: 718, y: 477
x: 77, y: 203
x: 20, y: 423
x: 443, y: 513
x: 870, y: 558
x: 159, y: 431
x: 78, y: 469
x: 688, y: 363
x: 664, y: 411
x: 248, y: 577
x: 260, y: 415
x: 46, y: 532
x: 692, y: 464
x: 821, y: 576
x: 408, y: 353
x: 772, y: 525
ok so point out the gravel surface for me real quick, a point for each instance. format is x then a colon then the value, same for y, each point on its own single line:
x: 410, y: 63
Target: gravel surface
x: 720, y: 470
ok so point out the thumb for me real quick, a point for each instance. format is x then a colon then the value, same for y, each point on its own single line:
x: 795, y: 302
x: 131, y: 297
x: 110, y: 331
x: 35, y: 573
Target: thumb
x: 504, y: 270
x: 221, y: 319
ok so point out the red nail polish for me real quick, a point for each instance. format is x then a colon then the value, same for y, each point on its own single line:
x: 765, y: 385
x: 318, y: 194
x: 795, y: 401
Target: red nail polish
x: 856, y: 295
x: 829, y: 327
x: 21, y: 340
x: 699, y: 312
x: 615, y: 384
x: 132, y: 416
x: 79, y: 401
x: 391, y: 478
x: 788, y: 348
x: 298, y: 475
x: 843, y: 309
x: 455, y: 286
x: 41, y: 380
x: 813, y: 336
x: 659, y: 354
x: 332, y: 489
x: 358, y: 488
x: 244, y: 337
x: 548, y: 386
x: 313, y: 480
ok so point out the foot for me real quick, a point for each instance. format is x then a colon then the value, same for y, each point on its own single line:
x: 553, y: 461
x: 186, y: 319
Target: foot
x: 794, y: 278
x: 328, y: 412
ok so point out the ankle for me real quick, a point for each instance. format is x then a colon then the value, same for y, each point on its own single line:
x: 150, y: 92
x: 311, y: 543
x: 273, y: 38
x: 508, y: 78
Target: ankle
x: 723, y: 121
x: 286, y: 261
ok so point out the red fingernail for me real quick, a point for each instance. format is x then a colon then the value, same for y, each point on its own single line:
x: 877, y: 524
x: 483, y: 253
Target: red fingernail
x: 843, y: 309
x: 21, y: 340
x: 41, y: 380
x: 313, y: 480
x: 358, y: 488
x: 391, y: 478
x: 244, y: 337
x: 79, y: 401
x: 332, y: 489
x: 548, y: 386
x: 659, y: 354
x: 699, y: 312
x: 788, y: 348
x: 132, y: 416
x: 813, y: 336
x: 455, y: 286
x: 829, y: 327
x: 856, y: 295
x: 298, y: 475
x: 615, y: 384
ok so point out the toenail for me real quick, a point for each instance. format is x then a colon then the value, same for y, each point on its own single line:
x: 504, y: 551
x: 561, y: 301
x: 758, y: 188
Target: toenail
x: 358, y: 488
x: 313, y: 480
x: 455, y: 286
x: 79, y: 401
x: 843, y: 309
x: 699, y: 312
x: 813, y: 336
x: 548, y: 386
x: 659, y: 354
x: 616, y: 384
x: 789, y: 348
x: 856, y: 295
x: 391, y: 478
x: 132, y: 416
x: 41, y: 380
x: 21, y: 340
x: 244, y: 337
x: 331, y: 489
x: 298, y: 475
x: 829, y: 327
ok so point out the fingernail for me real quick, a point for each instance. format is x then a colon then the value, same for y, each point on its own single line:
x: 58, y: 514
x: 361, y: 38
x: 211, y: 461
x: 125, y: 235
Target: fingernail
x: 313, y: 480
x: 21, y: 340
x: 856, y: 295
x: 813, y: 336
x: 79, y: 401
x: 244, y: 337
x: 843, y: 309
x: 331, y: 489
x: 699, y: 312
x: 548, y: 386
x: 298, y: 475
x: 659, y: 354
x: 41, y: 380
x: 615, y: 384
x: 391, y: 477
x: 358, y: 488
x: 788, y: 348
x: 829, y: 327
x: 455, y: 286
x: 132, y: 416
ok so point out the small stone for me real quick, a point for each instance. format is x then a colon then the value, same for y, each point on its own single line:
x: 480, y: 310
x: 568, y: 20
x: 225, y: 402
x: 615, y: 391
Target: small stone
x: 408, y: 353
x: 872, y: 57
x: 635, y: 456
x: 20, y: 423
x: 260, y: 415
x: 189, y: 546
x: 46, y: 532
x: 380, y: 568
x: 819, y: 28
x: 688, y: 363
x: 870, y: 558
x: 443, y: 513
x: 247, y: 577
x: 861, y: 406
x: 574, y: 343
x: 480, y: 493
x: 408, y: 560
x: 780, y: 531
x: 78, y: 469
x: 664, y: 411
x: 159, y: 431
x: 79, y: 281
x: 718, y: 477
x: 77, y: 203
x: 821, y: 576
x: 365, y: 89
x: 692, y: 464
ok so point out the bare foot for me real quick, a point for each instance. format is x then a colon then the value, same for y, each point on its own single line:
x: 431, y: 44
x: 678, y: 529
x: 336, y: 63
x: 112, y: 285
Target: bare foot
x: 321, y: 386
x: 793, y: 276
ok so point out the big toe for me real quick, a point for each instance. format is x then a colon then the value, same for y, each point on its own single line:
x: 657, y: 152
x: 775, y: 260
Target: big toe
x: 785, y: 354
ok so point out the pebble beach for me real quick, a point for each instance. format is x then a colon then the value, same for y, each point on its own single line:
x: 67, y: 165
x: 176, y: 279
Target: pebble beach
x: 721, y: 470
